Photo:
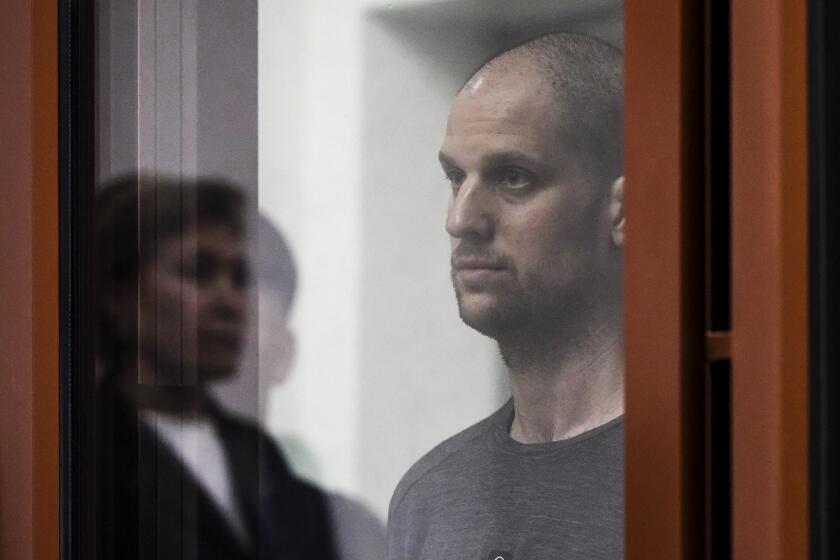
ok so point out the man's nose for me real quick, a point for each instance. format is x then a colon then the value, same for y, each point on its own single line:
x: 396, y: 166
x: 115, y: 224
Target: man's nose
x: 470, y: 212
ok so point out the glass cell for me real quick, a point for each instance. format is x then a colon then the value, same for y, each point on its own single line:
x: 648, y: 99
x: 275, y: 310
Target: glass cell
x: 358, y: 279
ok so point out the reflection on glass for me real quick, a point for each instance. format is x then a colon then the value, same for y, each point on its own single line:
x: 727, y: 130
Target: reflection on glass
x: 180, y: 476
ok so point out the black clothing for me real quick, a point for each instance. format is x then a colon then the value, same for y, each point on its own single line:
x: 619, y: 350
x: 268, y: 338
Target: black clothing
x: 152, y: 508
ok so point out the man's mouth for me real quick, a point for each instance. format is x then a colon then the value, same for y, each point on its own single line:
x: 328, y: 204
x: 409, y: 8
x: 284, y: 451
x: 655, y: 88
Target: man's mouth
x: 472, y: 271
x: 476, y: 259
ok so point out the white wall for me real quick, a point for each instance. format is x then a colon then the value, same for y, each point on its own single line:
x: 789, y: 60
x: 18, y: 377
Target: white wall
x: 309, y: 102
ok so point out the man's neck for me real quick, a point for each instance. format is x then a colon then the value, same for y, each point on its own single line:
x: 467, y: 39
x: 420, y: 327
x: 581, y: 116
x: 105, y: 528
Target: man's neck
x: 563, y: 387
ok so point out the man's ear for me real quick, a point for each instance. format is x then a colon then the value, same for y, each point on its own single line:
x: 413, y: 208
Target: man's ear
x: 617, y: 212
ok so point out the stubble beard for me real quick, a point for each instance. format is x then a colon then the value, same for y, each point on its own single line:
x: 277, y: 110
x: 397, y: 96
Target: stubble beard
x: 509, y: 314
x: 491, y: 321
x: 528, y: 319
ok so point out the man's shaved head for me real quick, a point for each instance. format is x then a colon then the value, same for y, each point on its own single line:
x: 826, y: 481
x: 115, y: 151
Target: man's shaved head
x: 533, y: 155
x: 584, y: 77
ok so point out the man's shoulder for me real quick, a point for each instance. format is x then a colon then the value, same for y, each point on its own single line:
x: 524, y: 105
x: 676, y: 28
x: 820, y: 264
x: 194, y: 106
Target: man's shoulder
x: 447, y: 455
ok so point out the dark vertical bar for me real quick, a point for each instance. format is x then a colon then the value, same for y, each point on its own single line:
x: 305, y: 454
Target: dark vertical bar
x: 719, y: 460
x: 718, y: 278
x: 76, y: 180
x: 719, y: 168
x: 824, y: 256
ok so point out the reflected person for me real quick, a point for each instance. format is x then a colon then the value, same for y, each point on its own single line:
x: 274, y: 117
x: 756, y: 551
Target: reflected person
x: 533, y: 154
x: 179, y: 477
x: 357, y: 533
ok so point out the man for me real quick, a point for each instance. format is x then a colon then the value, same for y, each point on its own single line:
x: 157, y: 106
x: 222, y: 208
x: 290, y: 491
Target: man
x: 533, y: 153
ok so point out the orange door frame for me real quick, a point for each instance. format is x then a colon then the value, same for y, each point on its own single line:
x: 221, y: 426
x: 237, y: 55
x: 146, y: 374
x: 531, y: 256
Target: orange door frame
x: 664, y: 307
x: 769, y: 349
x: 770, y: 279
x: 29, y: 442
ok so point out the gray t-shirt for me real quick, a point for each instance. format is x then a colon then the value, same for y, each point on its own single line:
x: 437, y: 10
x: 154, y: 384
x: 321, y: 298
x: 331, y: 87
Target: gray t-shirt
x: 480, y: 495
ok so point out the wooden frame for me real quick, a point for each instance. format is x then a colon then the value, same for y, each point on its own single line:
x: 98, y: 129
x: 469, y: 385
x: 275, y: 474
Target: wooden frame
x: 769, y: 282
x: 664, y: 305
x: 770, y: 279
x: 29, y: 427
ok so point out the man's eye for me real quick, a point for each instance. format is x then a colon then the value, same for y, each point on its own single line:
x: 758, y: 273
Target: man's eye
x: 514, y: 179
x: 455, y: 177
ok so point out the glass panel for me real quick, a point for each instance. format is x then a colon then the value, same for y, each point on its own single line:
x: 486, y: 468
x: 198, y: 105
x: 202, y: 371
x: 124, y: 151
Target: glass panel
x: 287, y: 195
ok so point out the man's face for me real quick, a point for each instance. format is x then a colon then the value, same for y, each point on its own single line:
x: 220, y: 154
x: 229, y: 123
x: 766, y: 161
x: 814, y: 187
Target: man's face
x: 530, y: 231
x: 192, y: 305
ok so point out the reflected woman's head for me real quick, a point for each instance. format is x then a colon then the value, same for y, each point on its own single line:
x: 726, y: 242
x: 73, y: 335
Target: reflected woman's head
x: 172, y: 277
